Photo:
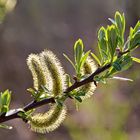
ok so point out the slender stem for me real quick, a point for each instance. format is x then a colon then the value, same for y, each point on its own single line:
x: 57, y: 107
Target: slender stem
x: 88, y: 79
x: 34, y: 104
x: 28, y: 107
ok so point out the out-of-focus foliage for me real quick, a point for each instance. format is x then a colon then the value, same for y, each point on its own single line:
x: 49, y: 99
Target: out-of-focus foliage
x: 108, y: 117
x: 6, y: 6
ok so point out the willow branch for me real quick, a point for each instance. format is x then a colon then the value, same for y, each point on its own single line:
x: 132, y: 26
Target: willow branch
x: 34, y: 104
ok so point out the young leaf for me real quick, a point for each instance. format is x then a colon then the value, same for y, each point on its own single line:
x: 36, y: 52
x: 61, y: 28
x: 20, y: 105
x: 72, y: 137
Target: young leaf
x: 126, y: 62
x: 117, y: 66
x: 131, y: 32
x: 102, y: 44
x: 137, y: 27
x: 78, y: 51
x: 5, y: 99
x: 80, y: 93
x: 135, y: 40
x: 136, y: 59
x: 5, y: 126
x: 96, y: 58
x: 32, y: 91
x: 120, y: 25
x: 134, y: 36
x: 83, y: 59
x: 69, y: 60
x: 120, y: 64
x: 78, y: 99
x: 22, y: 114
x: 112, y: 39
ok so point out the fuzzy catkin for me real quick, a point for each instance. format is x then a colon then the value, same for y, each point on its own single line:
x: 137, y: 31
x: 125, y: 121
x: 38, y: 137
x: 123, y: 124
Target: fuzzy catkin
x: 52, y: 119
x: 50, y: 61
x: 88, y: 68
x: 35, y: 67
x: 49, y: 121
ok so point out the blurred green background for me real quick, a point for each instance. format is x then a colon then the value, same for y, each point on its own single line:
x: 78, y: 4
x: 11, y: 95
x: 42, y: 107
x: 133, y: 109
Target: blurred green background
x: 113, y: 113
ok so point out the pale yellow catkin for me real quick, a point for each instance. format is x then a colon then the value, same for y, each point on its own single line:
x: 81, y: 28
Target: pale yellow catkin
x: 88, y: 68
x: 52, y: 119
x: 51, y: 62
x: 48, y: 121
x: 39, y: 78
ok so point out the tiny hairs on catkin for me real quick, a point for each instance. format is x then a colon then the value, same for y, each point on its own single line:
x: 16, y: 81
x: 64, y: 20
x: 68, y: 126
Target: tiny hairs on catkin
x: 35, y: 67
x: 88, y: 68
x: 51, y: 62
x: 49, y: 121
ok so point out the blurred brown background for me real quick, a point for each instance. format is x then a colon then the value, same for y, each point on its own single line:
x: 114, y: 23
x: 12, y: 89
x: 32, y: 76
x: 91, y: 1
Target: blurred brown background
x: 113, y: 113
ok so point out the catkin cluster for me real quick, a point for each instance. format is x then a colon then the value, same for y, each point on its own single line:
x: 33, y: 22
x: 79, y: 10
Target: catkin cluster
x: 47, y: 71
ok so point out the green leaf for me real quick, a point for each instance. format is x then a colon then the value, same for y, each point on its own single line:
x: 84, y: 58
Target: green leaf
x: 32, y: 92
x: 117, y: 66
x: 78, y: 99
x: 80, y: 93
x: 102, y: 44
x: 68, y: 81
x: 78, y: 54
x: 97, y: 78
x: 136, y: 59
x: 120, y: 64
x: 5, y: 108
x: 40, y: 94
x: 78, y: 50
x: 96, y: 58
x: 112, y: 39
x: 83, y: 59
x: 101, y: 79
x: 59, y: 102
x: 131, y: 32
x: 135, y: 40
x: 102, y: 33
x: 5, y: 99
x: 134, y: 36
x: 69, y: 60
x: 137, y: 27
x: 25, y: 115
x: 30, y: 112
x: 118, y: 21
x: 120, y: 24
x: 126, y: 62
x: 5, y: 126
x: 22, y: 114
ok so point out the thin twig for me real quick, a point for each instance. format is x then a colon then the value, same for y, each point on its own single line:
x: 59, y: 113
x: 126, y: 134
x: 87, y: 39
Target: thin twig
x: 33, y: 104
